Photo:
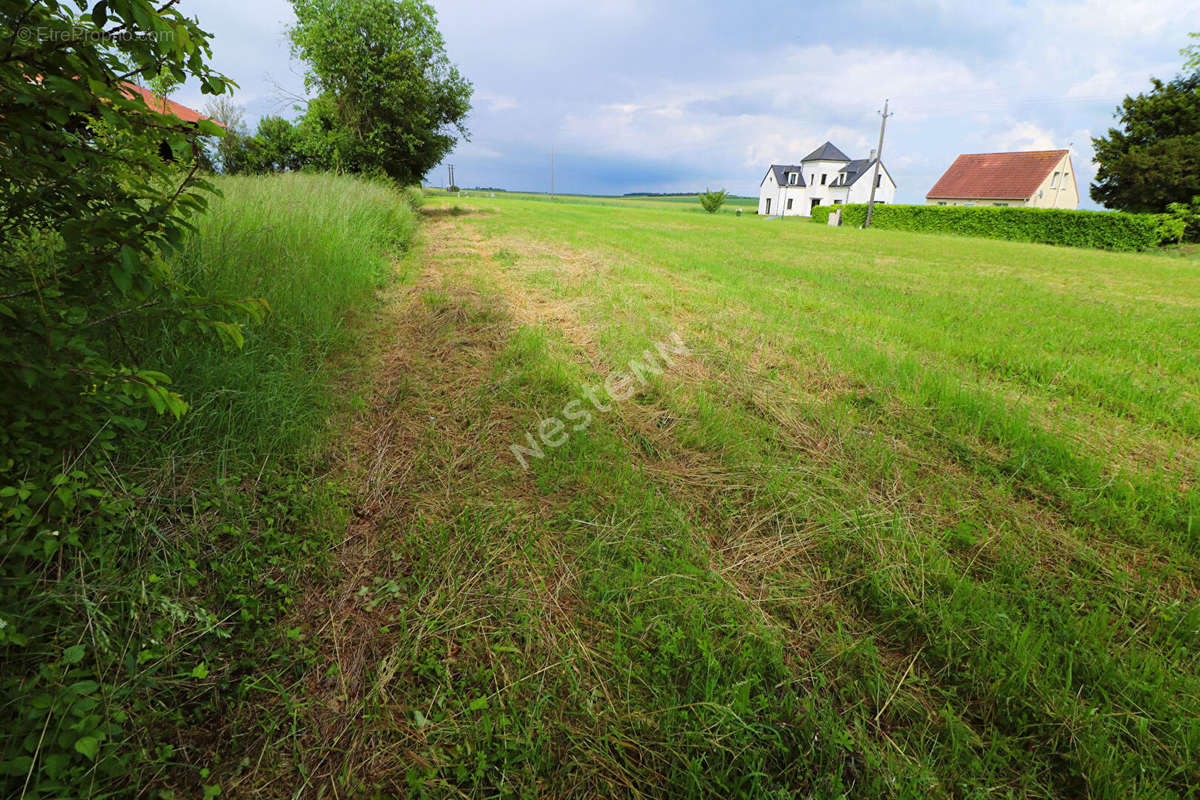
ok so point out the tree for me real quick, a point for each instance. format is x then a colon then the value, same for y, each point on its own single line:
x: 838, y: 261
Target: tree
x: 389, y: 99
x: 712, y: 201
x: 1153, y: 160
x: 1192, y: 55
x: 232, y: 149
x: 275, y: 146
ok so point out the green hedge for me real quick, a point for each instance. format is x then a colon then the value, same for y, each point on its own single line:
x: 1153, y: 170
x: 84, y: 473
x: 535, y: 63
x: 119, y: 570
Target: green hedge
x: 1107, y: 230
x: 821, y: 214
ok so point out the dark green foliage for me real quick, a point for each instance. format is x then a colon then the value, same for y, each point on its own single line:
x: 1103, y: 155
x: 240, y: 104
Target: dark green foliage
x: 275, y: 146
x: 390, y: 101
x: 712, y: 201
x: 1106, y: 230
x: 1154, y: 158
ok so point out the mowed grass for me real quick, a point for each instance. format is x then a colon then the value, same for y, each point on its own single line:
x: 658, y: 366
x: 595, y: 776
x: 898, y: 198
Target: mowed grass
x: 914, y: 516
x: 690, y: 203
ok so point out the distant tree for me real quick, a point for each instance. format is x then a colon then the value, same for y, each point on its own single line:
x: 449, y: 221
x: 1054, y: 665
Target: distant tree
x: 384, y: 79
x: 274, y: 146
x: 712, y: 201
x: 232, y: 156
x: 1153, y: 160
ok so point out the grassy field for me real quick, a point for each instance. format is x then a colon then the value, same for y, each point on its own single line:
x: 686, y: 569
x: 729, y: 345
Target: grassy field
x: 901, y: 516
x: 677, y: 202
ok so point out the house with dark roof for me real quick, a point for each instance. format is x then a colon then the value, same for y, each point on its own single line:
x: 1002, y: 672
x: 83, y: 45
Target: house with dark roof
x: 1037, y: 179
x: 824, y: 177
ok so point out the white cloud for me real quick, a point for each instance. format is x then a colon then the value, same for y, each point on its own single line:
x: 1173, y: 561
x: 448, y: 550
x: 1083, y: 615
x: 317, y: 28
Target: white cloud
x: 495, y: 102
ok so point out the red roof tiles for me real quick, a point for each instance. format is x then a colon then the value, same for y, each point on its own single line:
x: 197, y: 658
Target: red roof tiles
x: 164, y: 105
x: 996, y: 176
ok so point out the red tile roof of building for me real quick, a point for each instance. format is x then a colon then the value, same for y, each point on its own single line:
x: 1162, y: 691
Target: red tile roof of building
x: 996, y: 176
x: 165, y: 105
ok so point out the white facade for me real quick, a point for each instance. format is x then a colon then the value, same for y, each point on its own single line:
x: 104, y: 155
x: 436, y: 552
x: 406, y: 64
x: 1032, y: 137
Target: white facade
x: 826, y: 177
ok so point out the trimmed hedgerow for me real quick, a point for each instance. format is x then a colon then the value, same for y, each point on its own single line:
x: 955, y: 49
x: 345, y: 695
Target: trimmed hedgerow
x: 821, y: 214
x: 1106, y: 230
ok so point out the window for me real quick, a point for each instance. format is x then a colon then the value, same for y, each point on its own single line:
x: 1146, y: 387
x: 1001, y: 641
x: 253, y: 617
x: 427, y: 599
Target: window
x: 1005, y: 205
x: 768, y: 205
x: 792, y: 178
x: 823, y: 177
x: 812, y: 178
x: 815, y: 202
x: 878, y: 181
x: 837, y: 202
x: 1054, y: 180
x: 789, y: 205
x: 941, y: 202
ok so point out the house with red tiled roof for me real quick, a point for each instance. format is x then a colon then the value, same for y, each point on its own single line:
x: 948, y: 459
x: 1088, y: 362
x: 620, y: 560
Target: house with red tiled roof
x: 164, y: 105
x: 1038, y: 179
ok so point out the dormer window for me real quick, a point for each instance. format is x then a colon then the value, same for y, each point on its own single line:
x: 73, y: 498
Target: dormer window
x: 824, y: 175
x: 792, y: 178
x: 1054, y: 180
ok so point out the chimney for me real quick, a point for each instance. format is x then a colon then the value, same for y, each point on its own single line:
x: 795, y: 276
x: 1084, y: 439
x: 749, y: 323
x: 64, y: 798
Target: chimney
x: 872, y: 154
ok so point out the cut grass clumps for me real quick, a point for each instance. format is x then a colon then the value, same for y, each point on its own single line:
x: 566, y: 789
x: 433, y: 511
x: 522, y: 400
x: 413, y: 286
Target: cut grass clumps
x: 912, y: 521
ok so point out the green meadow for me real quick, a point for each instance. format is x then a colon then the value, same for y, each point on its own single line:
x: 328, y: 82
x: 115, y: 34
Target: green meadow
x: 903, y: 515
x: 798, y: 512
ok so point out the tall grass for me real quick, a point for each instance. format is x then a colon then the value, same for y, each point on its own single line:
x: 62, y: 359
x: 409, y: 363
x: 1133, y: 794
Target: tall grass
x: 158, y: 620
x: 315, y: 247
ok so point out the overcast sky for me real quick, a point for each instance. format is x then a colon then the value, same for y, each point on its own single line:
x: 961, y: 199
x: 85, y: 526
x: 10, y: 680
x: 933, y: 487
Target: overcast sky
x: 674, y: 95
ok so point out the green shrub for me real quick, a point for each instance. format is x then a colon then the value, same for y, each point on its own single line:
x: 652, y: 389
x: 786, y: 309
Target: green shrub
x: 1186, y: 217
x: 821, y: 214
x: 1105, y: 230
x: 712, y: 201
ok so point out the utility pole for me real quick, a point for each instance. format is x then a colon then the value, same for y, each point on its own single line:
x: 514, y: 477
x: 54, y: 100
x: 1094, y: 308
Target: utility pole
x: 878, y: 161
x: 551, y: 173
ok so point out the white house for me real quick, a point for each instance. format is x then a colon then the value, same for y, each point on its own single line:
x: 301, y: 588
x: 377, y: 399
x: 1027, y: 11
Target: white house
x: 825, y: 177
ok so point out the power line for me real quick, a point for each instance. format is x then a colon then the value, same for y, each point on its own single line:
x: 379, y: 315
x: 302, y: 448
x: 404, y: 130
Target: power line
x: 878, y: 160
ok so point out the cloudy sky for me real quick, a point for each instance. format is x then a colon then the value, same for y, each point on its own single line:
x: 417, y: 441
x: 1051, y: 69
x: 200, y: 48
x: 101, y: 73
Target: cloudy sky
x: 674, y: 95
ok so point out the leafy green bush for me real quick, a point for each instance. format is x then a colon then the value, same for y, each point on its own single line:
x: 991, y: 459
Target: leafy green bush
x: 712, y: 201
x: 821, y: 214
x: 1187, y: 216
x: 1106, y: 230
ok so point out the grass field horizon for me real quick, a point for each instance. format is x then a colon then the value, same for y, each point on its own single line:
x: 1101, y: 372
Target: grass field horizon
x: 912, y: 516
